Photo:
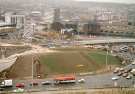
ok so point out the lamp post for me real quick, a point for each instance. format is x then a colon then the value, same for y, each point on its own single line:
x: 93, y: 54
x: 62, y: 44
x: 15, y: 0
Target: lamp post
x: 106, y: 59
x: 107, y: 52
x: 32, y: 70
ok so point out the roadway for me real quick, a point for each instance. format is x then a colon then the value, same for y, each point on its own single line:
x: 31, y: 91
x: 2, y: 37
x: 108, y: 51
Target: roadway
x: 91, y: 82
x: 106, y: 41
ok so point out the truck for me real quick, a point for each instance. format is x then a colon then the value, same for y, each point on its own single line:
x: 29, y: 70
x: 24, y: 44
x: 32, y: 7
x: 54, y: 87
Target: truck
x: 6, y: 83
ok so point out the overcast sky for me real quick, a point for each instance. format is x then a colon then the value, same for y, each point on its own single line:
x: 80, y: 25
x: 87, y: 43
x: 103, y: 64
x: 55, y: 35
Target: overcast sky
x: 116, y: 1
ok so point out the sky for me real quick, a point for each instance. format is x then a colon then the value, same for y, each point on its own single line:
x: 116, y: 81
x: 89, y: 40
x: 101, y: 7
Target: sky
x: 115, y: 1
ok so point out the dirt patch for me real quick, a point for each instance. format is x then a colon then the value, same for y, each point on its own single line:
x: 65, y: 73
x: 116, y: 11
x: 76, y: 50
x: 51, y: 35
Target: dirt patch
x: 22, y: 67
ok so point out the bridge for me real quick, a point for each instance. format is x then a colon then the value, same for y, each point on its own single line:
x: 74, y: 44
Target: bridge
x: 106, y: 41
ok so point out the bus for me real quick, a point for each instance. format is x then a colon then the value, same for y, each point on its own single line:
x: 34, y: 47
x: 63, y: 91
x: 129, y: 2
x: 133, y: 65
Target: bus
x: 65, y: 79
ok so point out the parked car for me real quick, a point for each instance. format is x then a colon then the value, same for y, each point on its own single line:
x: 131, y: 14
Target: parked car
x: 129, y: 77
x: 116, y: 70
x: 125, y: 74
x: 119, y: 74
x: 121, y: 69
x: 127, y: 70
x: 133, y: 71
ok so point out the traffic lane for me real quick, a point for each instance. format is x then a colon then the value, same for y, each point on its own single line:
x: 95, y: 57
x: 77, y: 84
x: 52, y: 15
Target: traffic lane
x: 95, y: 81
x: 99, y: 81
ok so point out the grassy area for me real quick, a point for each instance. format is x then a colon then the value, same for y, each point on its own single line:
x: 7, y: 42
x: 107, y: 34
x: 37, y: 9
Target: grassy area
x: 100, y: 58
x: 74, y: 61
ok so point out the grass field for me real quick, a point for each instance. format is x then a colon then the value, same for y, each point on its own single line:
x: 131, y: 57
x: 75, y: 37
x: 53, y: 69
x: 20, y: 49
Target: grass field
x: 74, y: 60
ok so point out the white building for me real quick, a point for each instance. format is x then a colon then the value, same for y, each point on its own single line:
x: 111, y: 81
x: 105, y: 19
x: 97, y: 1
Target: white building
x: 17, y: 19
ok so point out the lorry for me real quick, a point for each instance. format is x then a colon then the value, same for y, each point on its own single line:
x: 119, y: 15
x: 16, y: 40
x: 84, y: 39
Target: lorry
x: 6, y: 83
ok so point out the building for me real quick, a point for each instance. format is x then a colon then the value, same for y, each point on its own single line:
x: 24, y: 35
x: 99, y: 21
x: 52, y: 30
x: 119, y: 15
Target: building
x: 56, y: 17
x: 6, y: 30
x: 92, y: 27
x: 17, y: 19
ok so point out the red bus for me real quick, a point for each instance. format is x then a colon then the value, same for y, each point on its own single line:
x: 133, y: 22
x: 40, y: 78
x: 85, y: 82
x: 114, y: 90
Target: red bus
x: 64, y: 79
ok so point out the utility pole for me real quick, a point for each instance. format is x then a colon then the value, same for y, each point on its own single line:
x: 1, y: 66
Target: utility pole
x: 32, y: 69
x: 107, y: 52
x: 106, y: 60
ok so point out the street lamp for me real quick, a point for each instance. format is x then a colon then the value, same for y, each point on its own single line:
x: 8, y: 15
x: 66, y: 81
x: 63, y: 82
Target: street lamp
x: 106, y: 59
x: 32, y: 70
x: 107, y: 52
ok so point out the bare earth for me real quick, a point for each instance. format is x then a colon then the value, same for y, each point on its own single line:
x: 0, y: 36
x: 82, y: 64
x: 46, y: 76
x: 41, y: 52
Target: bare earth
x: 22, y: 67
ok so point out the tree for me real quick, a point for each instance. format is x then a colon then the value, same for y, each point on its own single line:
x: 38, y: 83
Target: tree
x: 57, y: 26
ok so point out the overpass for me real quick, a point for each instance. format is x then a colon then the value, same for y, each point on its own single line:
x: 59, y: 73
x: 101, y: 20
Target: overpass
x: 106, y: 41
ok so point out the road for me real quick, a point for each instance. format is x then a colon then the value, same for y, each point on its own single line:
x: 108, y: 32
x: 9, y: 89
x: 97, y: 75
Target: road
x: 106, y: 40
x: 83, y: 91
x: 91, y: 82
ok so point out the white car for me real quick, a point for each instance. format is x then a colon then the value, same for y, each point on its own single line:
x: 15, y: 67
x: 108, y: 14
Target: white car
x: 81, y: 80
x: 133, y: 63
x: 115, y: 78
x: 129, y: 77
x: 121, y: 69
x: 116, y: 70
